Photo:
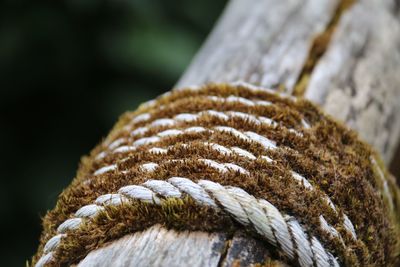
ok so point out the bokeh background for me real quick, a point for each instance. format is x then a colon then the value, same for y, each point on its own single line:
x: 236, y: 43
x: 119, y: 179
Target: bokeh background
x: 68, y: 69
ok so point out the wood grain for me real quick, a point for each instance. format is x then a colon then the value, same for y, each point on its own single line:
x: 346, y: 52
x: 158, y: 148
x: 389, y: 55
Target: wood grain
x: 160, y: 247
x: 262, y: 42
x: 357, y: 80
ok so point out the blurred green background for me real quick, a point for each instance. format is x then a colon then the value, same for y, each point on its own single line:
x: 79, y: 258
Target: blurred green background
x: 68, y: 69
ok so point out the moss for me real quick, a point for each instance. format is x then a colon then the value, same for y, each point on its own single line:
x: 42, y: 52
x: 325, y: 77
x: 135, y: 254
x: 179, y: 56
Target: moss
x: 328, y: 154
x: 180, y: 214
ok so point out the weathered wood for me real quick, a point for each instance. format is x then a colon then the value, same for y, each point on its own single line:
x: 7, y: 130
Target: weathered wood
x: 262, y: 42
x: 159, y: 247
x: 246, y: 251
x: 357, y: 80
x: 267, y: 43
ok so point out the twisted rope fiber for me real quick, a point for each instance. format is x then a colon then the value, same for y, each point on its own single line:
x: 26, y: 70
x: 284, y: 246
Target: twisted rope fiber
x: 117, y: 148
x: 248, y: 136
x: 190, y: 117
x: 187, y: 118
x: 115, y: 199
x: 161, y: 105
x: 280, y: 230
x: 169, y: 97
x: 229, y: 151
x: 161, y: 123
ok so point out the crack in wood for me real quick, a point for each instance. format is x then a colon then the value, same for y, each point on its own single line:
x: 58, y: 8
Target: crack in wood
x: 318, y: 48
x: 224, y: 253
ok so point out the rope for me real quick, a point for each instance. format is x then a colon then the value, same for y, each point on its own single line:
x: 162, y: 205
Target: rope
x: 281, y: 230
x: 163, y: 123
x: 247, y: 136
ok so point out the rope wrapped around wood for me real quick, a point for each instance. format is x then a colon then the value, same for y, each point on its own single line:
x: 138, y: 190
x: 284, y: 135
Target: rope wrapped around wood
x: 281, y: 230
x: 232, y: 155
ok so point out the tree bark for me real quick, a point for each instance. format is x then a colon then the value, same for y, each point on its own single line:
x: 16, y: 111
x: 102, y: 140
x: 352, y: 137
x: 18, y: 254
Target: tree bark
x: 344, y: 56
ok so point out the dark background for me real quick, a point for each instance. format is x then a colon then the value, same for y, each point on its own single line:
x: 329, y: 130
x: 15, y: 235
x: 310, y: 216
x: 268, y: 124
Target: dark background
x: 68, y: 69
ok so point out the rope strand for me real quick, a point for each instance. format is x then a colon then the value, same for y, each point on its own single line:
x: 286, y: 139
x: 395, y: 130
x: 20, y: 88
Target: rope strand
x: 282, y: 231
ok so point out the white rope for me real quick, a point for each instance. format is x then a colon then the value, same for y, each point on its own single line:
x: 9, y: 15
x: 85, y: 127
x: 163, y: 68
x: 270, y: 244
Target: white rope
x: 46, y: 258
x: 247, y: 137
x: 140, y: 192
x: 230, y: 99
x: 248, y: 86
x: 384, y: 183
x: 148, y: 167
x: 243, y: 153
x: 162, y: 122
x: 110, y: 199
x: 72, y: 223
x: 167, y: 122
x: 265, y: 142
x: 116, y: 143
x: 258, y: 120
x: 225, y: 167
x: 146, y: 141
x: 241, y: 100
x: 280, y: 230
x: 234, y: 132
x: 53, y: 243
x: 244, y: 86
x: 188, y: 117
x: 158, y: 150
x: 305, y: 253
x: 141, y: 117
x: 105, y: 169
x: 88, y: 211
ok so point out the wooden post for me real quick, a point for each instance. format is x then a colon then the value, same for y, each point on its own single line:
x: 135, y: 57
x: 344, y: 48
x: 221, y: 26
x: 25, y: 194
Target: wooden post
x: 341, y: 54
